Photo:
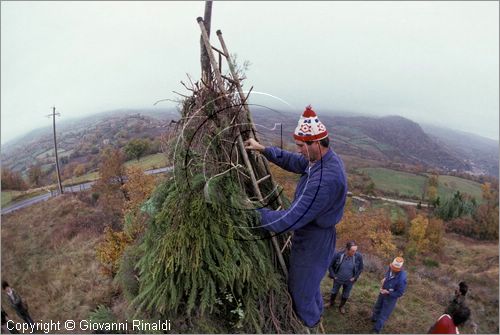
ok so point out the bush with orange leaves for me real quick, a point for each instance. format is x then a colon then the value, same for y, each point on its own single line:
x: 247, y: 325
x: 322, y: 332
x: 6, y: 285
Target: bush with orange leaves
x: 370, y: 229
x: 425, y: 235
x: 138, y: 188
x: 111, y: 249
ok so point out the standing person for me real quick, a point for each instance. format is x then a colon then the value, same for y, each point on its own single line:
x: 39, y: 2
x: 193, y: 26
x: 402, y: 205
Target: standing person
x: 393, y: 288
x: 458, y: 298
x: 345, y: 269
x: 317, y: 207
x: 448, y: 324
x: 17, y: 303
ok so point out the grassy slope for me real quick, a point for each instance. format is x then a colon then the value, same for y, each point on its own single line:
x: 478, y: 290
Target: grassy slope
x: 58, y: 275
x: 449, y: 185
x: 428, y: 292
x: 413, y: 185
x: 52, y: 265
x: 395, y: 181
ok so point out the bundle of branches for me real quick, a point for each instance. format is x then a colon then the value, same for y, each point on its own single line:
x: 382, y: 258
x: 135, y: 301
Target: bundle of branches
x: 203, y: 253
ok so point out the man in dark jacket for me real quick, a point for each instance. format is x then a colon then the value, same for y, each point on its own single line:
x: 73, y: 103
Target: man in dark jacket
x: 393, y: 288
x: 345, y: 269
x: 317, y: 207
x: 17, y: 303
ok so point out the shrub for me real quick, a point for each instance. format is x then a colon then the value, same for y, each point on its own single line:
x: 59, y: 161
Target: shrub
x: 103, y: 315
x: 430, y: 263
x: 127, y: 276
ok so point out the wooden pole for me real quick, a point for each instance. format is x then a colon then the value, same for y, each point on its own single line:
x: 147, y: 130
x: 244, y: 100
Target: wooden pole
x: 61, y: 190
x: 206, y: 73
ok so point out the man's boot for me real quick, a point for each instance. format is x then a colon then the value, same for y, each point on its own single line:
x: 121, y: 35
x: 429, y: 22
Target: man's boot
x: 331, y: 303
x: 341, y: 306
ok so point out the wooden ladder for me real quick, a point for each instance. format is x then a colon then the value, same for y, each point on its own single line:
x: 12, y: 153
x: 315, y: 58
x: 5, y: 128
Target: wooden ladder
x: 259, y: 159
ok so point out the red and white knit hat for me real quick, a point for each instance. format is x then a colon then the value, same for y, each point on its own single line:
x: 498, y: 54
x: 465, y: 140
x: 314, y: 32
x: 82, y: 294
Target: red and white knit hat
x: 310, y: 127
x: 397, y: 264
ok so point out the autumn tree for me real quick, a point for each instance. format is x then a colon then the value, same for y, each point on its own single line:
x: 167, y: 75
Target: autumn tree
x: 12, y: 180
x: 136, y: 148
x: 486, y: 216
x: 139, y: 187
x: 434, y: 234
x: 432, y: 190
x: 370, y: 229
x: 35, y: 175
x: 417, y: 241
x: 110, y: 182
x: 79, y: 170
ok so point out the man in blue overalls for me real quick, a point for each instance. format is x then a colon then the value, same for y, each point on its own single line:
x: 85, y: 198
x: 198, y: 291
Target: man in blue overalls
x: 393, y: 287
x: 317, y: 207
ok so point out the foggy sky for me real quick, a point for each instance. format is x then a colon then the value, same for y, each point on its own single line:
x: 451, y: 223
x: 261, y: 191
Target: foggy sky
x: 434, y: 62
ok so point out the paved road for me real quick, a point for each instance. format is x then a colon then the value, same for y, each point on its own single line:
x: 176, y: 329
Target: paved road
x: 69, y: 189
x: 88, y: 185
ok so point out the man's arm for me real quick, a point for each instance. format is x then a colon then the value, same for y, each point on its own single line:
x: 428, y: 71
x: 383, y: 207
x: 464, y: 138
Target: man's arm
x: 305, y: 208
x: 331, y: 270
x: 289, y: 161
x: 360, y: 266
x: 400, y: 288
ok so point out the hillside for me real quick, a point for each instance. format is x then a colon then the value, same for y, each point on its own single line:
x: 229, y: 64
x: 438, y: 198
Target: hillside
x: 50, y: 259
x: 79, y: 141
x: 386, y: 139
x: 480, y: 152
x: 391, y: 139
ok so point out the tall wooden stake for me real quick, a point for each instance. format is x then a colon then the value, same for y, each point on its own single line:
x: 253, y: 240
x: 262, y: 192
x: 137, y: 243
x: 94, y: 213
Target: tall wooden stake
x: 206, y: 69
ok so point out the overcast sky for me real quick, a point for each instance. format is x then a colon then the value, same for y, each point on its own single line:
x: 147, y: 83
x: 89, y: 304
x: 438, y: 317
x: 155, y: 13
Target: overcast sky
x: 434, y: 62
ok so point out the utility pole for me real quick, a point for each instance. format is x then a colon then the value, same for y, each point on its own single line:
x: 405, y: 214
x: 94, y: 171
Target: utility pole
x: 55, y: 147
x: 206, y: 69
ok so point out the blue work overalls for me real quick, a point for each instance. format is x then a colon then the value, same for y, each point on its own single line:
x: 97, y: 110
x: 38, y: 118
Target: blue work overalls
x: 385, y: 304
x: 317, y: 207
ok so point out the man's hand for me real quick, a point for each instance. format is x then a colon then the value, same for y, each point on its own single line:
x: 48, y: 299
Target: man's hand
x: 384, y: 291
x: 352, y: 279
x: 252, y: 144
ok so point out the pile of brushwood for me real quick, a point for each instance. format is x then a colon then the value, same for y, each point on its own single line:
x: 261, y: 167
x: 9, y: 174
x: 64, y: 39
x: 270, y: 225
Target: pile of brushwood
x: 202, y: 257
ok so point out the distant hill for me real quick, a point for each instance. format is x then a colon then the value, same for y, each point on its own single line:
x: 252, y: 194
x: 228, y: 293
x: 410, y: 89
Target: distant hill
x: 81, y: 140
x: 396, y: 139
x: 480, y: 152
x: 390, y: 139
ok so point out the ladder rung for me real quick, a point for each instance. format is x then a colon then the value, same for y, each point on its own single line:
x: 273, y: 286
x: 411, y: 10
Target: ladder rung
x: 221, y: 52
x: 231, y: 80
x: 263, y: 178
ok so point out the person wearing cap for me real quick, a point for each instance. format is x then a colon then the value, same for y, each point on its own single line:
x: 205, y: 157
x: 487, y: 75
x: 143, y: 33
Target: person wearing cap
x: 345, y: 269
x: 317, y: 207
x: 393, y: 288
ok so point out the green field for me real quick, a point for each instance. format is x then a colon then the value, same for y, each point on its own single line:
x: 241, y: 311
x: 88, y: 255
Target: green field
x: 9, y: 197
x: 406, y: 184
x: 449, y: 185
x: 146, y: 163
x: 412, y: 185
x: 149, y: 162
